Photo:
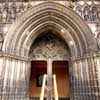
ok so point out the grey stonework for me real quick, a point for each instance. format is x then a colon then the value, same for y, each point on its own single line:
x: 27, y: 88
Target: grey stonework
x: 85, y: 84
x: 15, y: 62
x: 84, y: 80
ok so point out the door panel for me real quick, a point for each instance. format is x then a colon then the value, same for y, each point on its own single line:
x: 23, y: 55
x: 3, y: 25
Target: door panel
x: 39, y: 68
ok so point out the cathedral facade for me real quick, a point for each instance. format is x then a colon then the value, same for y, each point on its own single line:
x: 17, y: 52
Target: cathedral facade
x: 66, y: 31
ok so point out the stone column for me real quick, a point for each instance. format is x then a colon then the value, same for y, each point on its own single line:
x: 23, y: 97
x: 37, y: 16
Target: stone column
x: 5, y: 91
x: 83, y: 79
x: 49, y: 79
x: 2, y: 67
x: 97, y: 65
x: 14, y: 79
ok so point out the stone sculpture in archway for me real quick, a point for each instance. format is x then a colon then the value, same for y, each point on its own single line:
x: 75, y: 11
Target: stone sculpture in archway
x: 49, y: 46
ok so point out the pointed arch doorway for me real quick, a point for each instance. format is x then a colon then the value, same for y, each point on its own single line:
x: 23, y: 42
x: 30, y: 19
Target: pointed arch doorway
x: 49, y: 45
x: 21, y: 35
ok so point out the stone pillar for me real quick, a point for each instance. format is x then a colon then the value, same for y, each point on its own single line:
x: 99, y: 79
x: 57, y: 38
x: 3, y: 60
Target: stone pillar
x: 83, y: 79
x: 97, y: 65
x: 14, y: 82
x: 49, y: 79
x: 6, y: 80
x: 92, y: 79
x: 1, y: 75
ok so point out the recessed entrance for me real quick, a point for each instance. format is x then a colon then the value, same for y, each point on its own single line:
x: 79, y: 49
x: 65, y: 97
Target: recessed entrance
x: 21, y: 39
x: 49, y: 45
x: 39, y: 68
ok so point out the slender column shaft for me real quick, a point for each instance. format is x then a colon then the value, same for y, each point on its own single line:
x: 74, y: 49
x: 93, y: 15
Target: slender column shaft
x: 49, y: 79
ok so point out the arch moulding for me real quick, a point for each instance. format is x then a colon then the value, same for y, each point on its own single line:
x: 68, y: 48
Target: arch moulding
x: 46, y: 16
x: 49, y: 16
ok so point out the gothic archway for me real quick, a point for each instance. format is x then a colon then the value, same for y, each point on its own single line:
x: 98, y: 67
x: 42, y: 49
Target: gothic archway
x: 63, y: 21
x: 44, y: 17
x: 48, y: 45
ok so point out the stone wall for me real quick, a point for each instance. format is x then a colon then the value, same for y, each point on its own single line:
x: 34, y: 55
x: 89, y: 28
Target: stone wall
x: 85, y: 79
x: 97, y: 63
x: 84, y: 73
x: 14, y: 79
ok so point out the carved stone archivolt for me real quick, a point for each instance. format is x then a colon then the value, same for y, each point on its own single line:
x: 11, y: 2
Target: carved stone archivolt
x: 27, y: 29
x: 37, y: 20
x: 49, y: 46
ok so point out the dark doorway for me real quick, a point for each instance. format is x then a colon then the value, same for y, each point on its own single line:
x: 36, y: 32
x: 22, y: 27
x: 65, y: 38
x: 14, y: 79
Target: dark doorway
x: 39, y: 68
x: 61, y: 70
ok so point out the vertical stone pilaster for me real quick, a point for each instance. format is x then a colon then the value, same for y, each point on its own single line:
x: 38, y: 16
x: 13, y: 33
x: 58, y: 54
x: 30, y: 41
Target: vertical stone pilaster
x: 92, y: 79
x: 1, y: 76
x: 12, y: 81
x: 14, y: 86
x: 83, y: 79
x: 5, y: 92
x: 97, y: 70
x: 27, y: 79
